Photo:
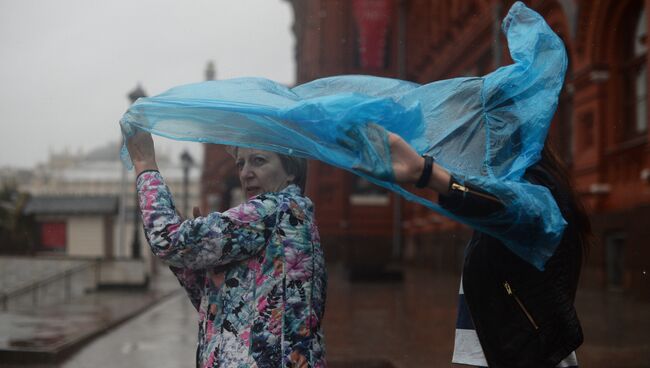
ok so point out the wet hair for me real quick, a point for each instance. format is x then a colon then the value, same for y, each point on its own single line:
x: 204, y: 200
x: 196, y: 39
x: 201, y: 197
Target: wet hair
x: 292, y: 165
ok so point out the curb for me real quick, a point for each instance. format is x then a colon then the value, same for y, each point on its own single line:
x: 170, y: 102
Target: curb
x: 57, y: 353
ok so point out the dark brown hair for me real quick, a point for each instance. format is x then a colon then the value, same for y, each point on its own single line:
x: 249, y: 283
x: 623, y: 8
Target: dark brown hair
x: 553, y: 164
x: 297, y: 167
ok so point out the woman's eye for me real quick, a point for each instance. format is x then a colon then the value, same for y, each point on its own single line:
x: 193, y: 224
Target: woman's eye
x: 240, y: 165
x: 258, y: 160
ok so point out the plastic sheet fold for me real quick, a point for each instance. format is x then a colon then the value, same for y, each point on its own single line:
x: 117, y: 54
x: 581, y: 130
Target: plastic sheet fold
x: 484, y: 130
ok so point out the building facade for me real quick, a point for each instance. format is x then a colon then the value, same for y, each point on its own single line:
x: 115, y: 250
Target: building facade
x: 77, y: 226
x: 600, y: 127
x: 63, y: 188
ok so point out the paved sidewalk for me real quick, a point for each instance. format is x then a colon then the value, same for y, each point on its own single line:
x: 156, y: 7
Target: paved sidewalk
x: 47, y: 335
x: 162, y: 337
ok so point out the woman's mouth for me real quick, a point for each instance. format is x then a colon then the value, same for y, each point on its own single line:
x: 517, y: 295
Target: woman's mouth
x: 251, y: 191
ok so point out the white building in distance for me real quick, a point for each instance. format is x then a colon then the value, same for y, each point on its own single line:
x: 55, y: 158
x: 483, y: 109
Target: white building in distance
x: 76, y: 182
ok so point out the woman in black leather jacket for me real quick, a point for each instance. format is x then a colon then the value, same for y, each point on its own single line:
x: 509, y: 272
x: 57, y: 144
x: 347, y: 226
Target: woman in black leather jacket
x: 523, y: 317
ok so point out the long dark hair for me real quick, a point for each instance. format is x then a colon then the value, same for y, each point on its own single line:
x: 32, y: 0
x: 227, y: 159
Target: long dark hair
x: 555, y: 166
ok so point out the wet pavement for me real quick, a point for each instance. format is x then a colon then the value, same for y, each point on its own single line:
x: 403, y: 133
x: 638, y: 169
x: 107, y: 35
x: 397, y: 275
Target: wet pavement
x: 47, y: 334
x: 413, y: 324
x: 616, y: 329
x: 377, y: 325
x: 409, y: 323
x: 163, y: 337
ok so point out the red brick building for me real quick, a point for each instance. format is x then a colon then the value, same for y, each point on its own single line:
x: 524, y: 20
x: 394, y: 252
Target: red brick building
x: 601, y: 126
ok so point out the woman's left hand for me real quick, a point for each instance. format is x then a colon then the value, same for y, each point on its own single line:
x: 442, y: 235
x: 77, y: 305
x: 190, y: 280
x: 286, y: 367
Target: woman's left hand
x: 407, y: 164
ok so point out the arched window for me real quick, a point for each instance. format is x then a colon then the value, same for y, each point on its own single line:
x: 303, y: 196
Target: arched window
x: 641, y: 78
x: 635, y: 76
x: 561, y: 133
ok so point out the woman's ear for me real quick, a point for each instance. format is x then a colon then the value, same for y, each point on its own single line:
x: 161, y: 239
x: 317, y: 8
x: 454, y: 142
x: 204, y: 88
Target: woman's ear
x: 291, y: 179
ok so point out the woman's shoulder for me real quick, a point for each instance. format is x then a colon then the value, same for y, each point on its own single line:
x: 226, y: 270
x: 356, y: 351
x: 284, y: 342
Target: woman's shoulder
x: 292, y: 199
x: 291, y: 196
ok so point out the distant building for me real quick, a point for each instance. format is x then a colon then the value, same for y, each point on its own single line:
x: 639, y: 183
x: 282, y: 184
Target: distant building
x: 74, y: 195
x: 75, y: 225
x: 14, y: 178
x: 600, y: 128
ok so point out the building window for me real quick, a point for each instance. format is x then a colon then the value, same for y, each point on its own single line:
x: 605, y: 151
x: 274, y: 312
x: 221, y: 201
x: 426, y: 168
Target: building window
x: 372, y: 22
x: 641, y: 97
x: 53, y: 236
x: 563, y: 121
x: 586, y: 122
x: 636, y: 79
x: 641, y: 79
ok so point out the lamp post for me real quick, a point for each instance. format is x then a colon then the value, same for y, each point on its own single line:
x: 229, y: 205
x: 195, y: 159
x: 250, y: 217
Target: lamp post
x: 135, y: 245
x: 186, y: 163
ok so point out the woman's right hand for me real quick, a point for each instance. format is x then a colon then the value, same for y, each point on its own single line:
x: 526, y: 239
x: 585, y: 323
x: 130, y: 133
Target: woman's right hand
x: 141, y: 150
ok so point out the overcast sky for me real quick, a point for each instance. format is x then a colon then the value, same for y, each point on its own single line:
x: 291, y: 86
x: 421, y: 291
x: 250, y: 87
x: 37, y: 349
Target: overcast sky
x: 66, y: 66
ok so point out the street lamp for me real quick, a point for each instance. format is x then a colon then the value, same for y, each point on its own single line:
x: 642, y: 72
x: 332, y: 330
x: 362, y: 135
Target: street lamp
x: 186, y: 163
x: 135, y: 245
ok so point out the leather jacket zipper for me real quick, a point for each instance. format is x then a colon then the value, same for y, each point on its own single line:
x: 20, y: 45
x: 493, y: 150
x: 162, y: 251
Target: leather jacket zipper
x: 510, y: 292
x: 462, y: 188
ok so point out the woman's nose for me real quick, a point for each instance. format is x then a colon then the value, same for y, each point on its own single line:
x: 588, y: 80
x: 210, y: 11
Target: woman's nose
x: 246, y: 172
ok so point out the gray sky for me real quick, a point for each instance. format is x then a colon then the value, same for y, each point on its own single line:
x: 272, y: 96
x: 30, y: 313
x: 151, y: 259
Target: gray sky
x: 66, y: 66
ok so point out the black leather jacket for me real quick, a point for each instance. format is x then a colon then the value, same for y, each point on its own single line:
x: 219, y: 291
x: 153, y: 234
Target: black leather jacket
x: 523, y: 317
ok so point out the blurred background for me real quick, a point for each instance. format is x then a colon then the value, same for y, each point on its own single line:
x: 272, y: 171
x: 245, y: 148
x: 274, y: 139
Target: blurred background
x: 78, y: 287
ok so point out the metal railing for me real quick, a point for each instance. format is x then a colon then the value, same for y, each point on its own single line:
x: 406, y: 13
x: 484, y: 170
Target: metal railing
x: 38, y: 289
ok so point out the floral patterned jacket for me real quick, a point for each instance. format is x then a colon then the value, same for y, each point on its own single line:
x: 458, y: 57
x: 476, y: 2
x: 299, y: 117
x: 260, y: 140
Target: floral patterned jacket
x: 255, y: 273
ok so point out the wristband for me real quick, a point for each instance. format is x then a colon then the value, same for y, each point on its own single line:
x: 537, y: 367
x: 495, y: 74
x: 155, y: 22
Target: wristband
x: 426, y: 172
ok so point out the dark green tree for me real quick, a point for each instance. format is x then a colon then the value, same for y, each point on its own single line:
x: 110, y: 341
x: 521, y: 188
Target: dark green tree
x: 16, y: 229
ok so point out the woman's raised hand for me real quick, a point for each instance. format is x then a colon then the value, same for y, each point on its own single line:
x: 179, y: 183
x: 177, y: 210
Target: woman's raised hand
x: 407, y: 164
x: 141, y: 150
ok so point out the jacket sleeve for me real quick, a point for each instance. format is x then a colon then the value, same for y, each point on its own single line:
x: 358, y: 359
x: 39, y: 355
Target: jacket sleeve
x: 214, y: 240
x: 193, y: 281
x: 525, y: 217
x: 468, y: 200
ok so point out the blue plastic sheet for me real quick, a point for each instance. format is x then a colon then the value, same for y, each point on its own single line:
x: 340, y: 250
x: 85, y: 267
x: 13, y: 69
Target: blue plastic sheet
x: 485, y: 130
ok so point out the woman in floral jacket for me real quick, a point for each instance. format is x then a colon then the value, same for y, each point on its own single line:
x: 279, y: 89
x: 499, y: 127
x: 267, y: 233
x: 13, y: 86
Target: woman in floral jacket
x: 255, y: 273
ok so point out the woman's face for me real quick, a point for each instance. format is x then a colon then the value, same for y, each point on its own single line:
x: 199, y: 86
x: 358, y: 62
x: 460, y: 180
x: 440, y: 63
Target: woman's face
x: 260, y: 172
